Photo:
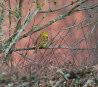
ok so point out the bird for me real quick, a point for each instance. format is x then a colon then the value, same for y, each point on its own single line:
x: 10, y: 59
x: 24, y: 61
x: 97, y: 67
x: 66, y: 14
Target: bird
x: 41, y: 41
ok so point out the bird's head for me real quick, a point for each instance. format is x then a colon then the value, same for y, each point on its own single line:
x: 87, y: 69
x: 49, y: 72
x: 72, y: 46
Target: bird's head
x: 44, y: 34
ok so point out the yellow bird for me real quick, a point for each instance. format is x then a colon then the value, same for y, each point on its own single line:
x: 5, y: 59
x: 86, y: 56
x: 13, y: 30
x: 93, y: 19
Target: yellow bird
x: 41, y: 41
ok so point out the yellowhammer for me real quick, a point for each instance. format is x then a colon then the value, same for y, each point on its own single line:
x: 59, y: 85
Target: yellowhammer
x: 41, y: 41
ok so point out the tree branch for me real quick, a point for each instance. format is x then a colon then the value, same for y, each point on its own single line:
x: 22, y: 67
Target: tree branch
x: 53, y: 21
x: 52, y: 10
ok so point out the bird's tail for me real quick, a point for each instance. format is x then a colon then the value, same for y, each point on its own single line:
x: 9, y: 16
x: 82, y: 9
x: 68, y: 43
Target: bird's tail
x: 36, y: 50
